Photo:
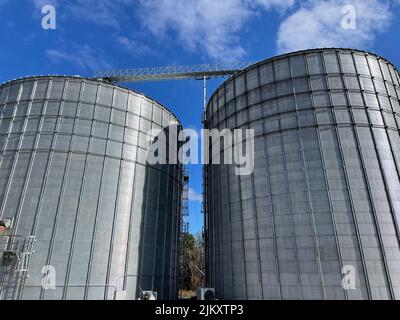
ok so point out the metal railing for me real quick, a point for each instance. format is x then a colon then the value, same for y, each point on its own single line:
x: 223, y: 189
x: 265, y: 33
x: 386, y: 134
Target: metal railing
x: 18, y: 246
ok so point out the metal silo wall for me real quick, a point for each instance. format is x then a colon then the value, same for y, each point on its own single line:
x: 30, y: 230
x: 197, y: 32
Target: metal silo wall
x: 73, y: 173
x: 325, y: 192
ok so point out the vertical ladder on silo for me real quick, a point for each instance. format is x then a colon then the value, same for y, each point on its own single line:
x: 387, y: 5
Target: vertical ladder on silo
x: 15, y: 251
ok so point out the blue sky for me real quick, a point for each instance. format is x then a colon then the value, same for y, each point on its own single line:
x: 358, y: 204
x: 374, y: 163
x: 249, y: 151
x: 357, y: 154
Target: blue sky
x: 108, y: 34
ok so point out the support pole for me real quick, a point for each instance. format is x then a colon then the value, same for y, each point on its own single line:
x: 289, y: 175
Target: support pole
x: 204, y: 97
x: 204, y: 93
x: 204, y: 185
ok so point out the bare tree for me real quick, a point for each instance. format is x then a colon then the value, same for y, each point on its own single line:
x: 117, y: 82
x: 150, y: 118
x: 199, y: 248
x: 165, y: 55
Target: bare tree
x: 191, y: 262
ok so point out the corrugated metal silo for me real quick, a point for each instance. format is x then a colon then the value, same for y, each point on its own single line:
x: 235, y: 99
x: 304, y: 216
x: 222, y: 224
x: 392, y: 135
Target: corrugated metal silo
x: 74, y: 181
x: 325, y: 193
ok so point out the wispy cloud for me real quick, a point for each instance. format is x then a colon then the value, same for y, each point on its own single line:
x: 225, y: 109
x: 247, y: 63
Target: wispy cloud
x: 85, y: 58
x: 215, y: 29
x: 209, y: 27
x: 135, y: 47
x: 102, y: 12
x: 40, y: 3
x: 318, y: 24
x: 194, y: 196
x: 280, y: 5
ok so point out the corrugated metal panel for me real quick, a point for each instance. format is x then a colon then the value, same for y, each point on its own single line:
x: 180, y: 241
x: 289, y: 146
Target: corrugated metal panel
x: 325, y: 189
x: 73, y: 173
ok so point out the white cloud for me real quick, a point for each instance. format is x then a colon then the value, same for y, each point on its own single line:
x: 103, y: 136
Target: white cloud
x: 318, y: 24
x: 134, y: 47
x: 194, y: 196
x: 208, y: 27
x: 102, y: 12
x: 39, y: 4
x: 84, y: 58
x: 213, y: 28
x: 280, y: 5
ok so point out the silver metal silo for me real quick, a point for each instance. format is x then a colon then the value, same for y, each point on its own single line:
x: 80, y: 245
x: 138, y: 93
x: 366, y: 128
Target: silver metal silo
x: 74, y: 181
x: 323, y: 203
